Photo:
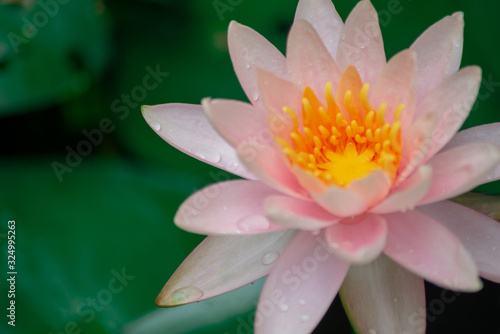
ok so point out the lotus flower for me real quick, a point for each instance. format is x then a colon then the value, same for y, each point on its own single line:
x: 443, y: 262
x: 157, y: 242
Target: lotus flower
x: 348, y: 160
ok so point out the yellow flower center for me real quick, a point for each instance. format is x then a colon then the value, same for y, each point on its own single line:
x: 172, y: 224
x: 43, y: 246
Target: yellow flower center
x: 344, y: 140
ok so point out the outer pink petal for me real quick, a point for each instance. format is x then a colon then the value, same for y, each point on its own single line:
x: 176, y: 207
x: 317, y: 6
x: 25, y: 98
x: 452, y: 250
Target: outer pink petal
x: 223, y: 263
x: 308, y: 61
x: 461, y: 169
x: 479, y: 233
x: 250, y: 51
x: 416, y: 144
x: 428, y: 249
x: 361, y: 43
x: 382, y: 297
x: 186, y: 128
x: 231, y: 207
x: 323, y: 16
x: 487, y: 133
x: 296, y: 213
x: 300, y: 288
x: 238, y: 122
x: 439, y: 52
x: 396, y: 85
x: 452, y: 101
x: 359, y: 240
x: 408, y: 194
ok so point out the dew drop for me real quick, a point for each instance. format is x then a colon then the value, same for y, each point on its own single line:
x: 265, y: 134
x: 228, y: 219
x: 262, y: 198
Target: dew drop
x: 253, y: 223
x: 304, y: 318
x: 270, y: 258
x: 283, y: 307
x: 247, y: 65
x: 207, y: 153
x: 302, y: 302
x: 395, y: 300
x: 411, y: 251
x: 156, y: 126
x: 372, y: 331
x: 315, y: 232
x: 255, y: 96
x: 494, y: 248
x: 185, y: 295
x: 488, y: 237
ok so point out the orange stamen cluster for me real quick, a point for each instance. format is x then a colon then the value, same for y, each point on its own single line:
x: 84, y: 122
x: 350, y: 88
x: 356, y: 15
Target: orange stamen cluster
x: 341, y: 143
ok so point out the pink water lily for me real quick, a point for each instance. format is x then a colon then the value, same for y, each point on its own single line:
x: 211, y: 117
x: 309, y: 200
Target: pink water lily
x: 348, y: 160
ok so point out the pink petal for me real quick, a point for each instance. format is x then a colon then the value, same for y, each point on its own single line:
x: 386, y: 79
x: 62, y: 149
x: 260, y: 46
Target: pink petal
x: 428, y: 249
x: 269, y: 166
x: 452, y: 101
x: 408, y: 194
x: 349, y: 81
x: 358, y: 240
x: 339, y: 201
x: 186, y: 128
x: 350, y: 201
x: 208, y: 271
x: 479, y: 234
x: 416, y: 142
x: 250, y: 51
x: 372, y: 188
x: 308, y: 61
x: 382, y: 297
x: 439, y: 52
x: 238, y: 122
x: 461, y: 169
x: 396, y: 85
x: 278, y: 93
x: 323, y: 16
x: 231, y: 207
x: 300, y: 288
x: 361, y: 43
x: 296, y: 213
x: 487, y: 133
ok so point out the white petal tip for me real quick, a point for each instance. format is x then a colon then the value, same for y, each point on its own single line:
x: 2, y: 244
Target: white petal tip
x: 459, y: 16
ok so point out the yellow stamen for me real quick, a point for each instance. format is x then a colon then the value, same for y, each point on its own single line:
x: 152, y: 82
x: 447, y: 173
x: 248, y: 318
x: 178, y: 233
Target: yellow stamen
x: 339, y: 150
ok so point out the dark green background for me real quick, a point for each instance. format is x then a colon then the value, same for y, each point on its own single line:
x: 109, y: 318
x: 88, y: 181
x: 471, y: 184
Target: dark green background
x: 114, y: 211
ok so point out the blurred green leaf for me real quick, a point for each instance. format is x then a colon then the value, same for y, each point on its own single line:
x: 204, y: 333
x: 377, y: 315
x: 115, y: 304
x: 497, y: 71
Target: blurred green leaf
x: 49, y: 52
x: 73, y: 237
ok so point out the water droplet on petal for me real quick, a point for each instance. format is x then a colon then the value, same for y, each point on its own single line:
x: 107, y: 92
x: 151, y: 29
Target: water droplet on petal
x: 207, y: 153
x: 494, y: 248
x: 270, y: 258
x: 304, y: 318
x: 255, y: 96
x: 395, y: 300
x: 253, y: 223
x: 488, y: 237
x: 185, y: 295
x: 302, y: 302
x: 247, y: 65
x: 283, y: 307
x: 315, y: 232
x: 156, y: 126
x: 411, y: 251
x: 372, y: 331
